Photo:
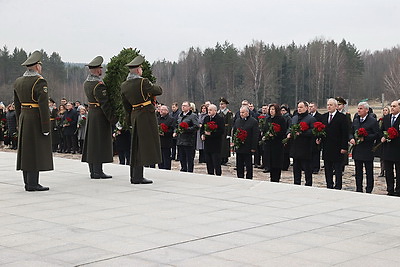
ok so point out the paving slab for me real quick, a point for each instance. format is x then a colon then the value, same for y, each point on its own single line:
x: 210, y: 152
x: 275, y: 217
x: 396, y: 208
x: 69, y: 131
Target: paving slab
x: 188, y: 219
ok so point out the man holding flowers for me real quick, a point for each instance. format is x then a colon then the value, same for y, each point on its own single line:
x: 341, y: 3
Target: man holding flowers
x: 391, y: 148
x: 188, y: 124
x: 211, y: 133
x: 334, y: 138
x: 165, y: 129
x: 302, y: 139
x: 365, y: 130
x: 245, y: 139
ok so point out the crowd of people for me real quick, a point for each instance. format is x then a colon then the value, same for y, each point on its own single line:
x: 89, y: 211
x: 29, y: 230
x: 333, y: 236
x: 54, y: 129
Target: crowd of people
x: 265, y: 138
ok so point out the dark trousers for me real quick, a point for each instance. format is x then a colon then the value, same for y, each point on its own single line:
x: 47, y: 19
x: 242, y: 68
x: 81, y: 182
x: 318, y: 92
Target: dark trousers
x: 166, y: 159
x: 124, y: 157
x: 302, y: 165
x: 202, y: 157
x: 369, y: 169
x: 242, y: 160
x: 70, y: 143
x: 213, y: 161
x: 186, y: 157
x: 330, y: 167
x: 316, y: 164
x: 389, y: 174
x: 258, y: 155
x: 275, y: 174
x: 173, y: 150
x: 267, y: 157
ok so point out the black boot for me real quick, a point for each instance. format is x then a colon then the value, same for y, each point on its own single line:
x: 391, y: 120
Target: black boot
x: 98, y: 172
x: 33, y: 183
x: 25, y: 175
x: 137, y: 176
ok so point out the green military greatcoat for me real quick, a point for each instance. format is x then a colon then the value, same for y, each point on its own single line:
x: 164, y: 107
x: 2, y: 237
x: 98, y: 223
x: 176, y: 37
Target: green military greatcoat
x: 136, y: 94
x: 33, y: 117
x: 226, y: 142
x: 97, y: 147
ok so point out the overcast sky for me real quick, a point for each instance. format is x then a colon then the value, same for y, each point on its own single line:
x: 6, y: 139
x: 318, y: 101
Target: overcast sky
x: 79, y: 30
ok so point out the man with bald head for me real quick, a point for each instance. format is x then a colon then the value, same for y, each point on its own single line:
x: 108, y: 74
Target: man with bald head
x: 245, y: 151
x: 165, y: 133
x: 391, y: 154
x: 212, y: 140
x: 334, y: 144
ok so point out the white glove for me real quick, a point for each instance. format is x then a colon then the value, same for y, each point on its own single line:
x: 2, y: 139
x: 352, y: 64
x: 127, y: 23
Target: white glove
x: 45, y: 134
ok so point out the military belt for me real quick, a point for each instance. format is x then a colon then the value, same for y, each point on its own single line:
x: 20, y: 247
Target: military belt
x: 94, y: 104
x: 52, y: 119
x: 141, y: 104
x: 29, y: 105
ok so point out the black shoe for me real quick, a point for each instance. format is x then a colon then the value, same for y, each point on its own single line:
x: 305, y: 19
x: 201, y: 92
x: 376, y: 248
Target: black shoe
x: 315, y: 172
x: 36, y: 188
x: 100, y: 176
x: 265, y: 171
x: 143, y: 181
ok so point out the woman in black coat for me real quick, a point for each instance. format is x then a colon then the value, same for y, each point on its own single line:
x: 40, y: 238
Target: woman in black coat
x: 273, y: 147
x: 12, y: 126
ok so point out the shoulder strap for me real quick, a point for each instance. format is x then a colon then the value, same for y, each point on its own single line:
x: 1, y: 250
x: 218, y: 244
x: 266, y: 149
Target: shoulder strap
x: 33, y: 88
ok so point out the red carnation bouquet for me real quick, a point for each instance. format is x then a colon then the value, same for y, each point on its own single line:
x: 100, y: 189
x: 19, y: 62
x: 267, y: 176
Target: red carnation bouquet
x: 3, y: 122
x: 239, y: 138
x: 319, y: 129
x: 389, y: 135
x: 360, y: 134
x: 82, y: 121
x: 273, y: 130
x: 182, y: 127
x: 162, y: 128
x: 261, y: 122
x: 297, y: 129
x: 210, y: 126
x: 67, y: 121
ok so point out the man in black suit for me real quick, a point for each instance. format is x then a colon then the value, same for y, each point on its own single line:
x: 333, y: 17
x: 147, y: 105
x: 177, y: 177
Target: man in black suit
x: 165, y: 137
x: 362, y: 152
x: 301, y: 145
x: 212, y: 140
x: 244, y: 152
x: 334, y: 144
x: 316, y: 152
x: 391, y: 150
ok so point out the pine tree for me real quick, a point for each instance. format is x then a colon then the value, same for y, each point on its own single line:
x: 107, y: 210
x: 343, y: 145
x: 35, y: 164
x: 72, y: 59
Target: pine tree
x: 116, y: 73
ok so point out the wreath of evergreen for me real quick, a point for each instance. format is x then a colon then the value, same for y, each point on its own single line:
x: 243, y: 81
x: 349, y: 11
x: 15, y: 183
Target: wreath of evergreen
x: 116, y: 74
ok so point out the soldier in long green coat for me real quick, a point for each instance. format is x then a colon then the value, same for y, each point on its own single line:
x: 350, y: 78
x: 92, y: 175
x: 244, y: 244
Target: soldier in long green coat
x: 97, y: 148
x: 137, y: 96
x: 33, y: 118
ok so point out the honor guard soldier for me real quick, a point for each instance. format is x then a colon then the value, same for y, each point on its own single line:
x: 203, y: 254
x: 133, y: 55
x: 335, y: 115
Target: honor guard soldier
x: 227, y: 115
x: 138, y: 95
x: 33, y: 118
x: 97, y: 148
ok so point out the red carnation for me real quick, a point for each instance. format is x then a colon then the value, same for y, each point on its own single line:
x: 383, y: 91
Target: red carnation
x: 319, y: 129
x: 239, y: 137
x: 69, y: 119
x: 277, y: 127
x: 392, y: 133
x: 182, y: 127
x: 210, y: 126
x: 304, y: 126
x: 162, y: 128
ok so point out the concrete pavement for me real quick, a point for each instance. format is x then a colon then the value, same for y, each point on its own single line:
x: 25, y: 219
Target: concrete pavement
x: 188, y: 220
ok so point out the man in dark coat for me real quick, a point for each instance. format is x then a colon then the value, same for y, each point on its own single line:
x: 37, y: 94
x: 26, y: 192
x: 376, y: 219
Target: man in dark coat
x: 362, y: 152
x: 334, y: 144
x: 186, y: 137
x: 212, y: 140
x: 341, y: 109
x: 316, y: 157
x: 227, y: 115
x: 165, y: 136
x: 391, y: 150
x: 244, y: 152
x: 70, y: 124
x: 55, y: 138
x: 33, y: 118
x: 138, y: 94
x: 301, y: 146
x: 174, y: 114
x: 97, y: 148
